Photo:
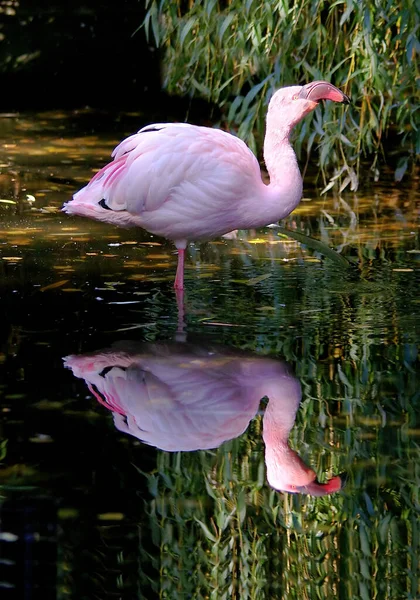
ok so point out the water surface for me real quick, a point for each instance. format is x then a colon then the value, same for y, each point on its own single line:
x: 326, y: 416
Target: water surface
x: 91, y: 511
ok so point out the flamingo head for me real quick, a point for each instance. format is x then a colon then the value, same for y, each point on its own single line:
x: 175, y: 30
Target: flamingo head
x: 287, y: 472
x: 315, y: 488
x: 307, y: 483
x: 290, y: 104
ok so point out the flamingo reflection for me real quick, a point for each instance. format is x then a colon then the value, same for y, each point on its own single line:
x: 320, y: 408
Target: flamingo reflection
x: 185, y: 396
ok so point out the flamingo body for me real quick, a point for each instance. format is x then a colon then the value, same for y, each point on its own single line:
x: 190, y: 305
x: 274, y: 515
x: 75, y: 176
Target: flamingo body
x: 185, y: 182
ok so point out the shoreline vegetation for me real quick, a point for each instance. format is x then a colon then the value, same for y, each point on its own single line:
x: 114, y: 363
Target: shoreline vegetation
x: 235, y: 54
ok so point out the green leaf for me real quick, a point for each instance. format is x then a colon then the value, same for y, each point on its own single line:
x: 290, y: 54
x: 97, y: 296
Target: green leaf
x: 401, y: 169
x: 316, y: 245
x: 186, y: 29
x: 206, y: 530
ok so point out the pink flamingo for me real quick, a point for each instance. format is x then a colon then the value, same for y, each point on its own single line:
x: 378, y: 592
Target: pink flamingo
x: 185, y: 182
x: 189, y: 397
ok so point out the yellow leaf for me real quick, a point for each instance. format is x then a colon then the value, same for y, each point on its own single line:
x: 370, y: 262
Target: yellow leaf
x: 54, y: 285
x: 258, y: 279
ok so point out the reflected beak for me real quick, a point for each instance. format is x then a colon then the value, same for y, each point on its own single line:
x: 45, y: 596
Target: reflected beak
x: 322, y: 90
x: 322, y: 489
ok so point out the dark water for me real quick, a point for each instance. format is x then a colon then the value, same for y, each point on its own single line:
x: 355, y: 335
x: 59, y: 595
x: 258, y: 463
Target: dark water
x: 90, y: 511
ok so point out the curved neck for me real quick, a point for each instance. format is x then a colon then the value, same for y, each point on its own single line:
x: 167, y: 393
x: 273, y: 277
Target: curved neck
x: 280, y: 158
x: 284, y: 465
x: 284, y: 192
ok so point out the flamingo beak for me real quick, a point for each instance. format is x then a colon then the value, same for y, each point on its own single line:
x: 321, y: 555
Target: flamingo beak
x: 322, y: 489
x: 322, y: 90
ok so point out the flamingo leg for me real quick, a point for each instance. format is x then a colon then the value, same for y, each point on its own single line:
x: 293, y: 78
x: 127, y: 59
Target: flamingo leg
x: 179, y: 278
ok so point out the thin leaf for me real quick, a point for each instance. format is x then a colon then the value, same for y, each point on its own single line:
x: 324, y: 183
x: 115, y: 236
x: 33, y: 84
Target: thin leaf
x: 316, y: 245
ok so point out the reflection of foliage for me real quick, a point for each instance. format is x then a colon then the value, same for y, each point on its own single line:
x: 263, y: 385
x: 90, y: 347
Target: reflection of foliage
x: 14, y: 52
x: 3, y: 449
x: 222, y: 533
x: 212, y: 526
x: 8, y: 7
x: 234, y: 54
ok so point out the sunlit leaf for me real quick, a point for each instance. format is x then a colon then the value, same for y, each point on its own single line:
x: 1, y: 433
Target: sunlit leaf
x: 258, y: 279
x: 206, y: 530
x: 54, y: 285
x: 316, y: 245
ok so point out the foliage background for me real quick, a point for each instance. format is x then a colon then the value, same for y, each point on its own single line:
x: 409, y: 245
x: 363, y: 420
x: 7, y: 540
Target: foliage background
x: 236, y: 53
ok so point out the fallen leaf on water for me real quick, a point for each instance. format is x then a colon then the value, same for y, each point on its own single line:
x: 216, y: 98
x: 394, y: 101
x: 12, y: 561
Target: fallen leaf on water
x: 6, y: 536
x: 67, y: 513
x: 11, y: 258
x: 20, y: 231
x: 54, y: 285
x: 207, y: 275
x: 126, y: 302
x: 132, y: 263
x: 222, y: 324
x: 40, y: 438
x: 403, y: 270
x: 258, y: 279
x: 151, y: 266
x: 70, y: 233
x: 49, y: 209
x: 137, y: 326
x: 111, y: 516
x: 137, y: 277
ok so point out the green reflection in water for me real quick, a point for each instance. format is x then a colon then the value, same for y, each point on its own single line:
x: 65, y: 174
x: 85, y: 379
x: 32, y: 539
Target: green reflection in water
x: 206, y: 524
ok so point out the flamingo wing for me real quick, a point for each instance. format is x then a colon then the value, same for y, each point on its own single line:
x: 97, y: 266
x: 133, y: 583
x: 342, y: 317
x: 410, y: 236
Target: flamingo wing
x: 176, y: 180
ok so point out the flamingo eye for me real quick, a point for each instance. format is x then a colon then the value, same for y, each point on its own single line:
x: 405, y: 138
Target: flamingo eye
x: 295, y: 97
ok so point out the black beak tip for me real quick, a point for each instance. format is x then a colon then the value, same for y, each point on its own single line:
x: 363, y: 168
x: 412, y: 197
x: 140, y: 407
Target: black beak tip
x: 344, y: 479
x: 346, y: 99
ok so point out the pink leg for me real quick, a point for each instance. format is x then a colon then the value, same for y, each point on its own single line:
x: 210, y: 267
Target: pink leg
x: 179, y: 278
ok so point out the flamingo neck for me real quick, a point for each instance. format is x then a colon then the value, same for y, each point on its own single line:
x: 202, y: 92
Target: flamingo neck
x: 284, y: 465
x: 280, y: 159
x: 276, y: 433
